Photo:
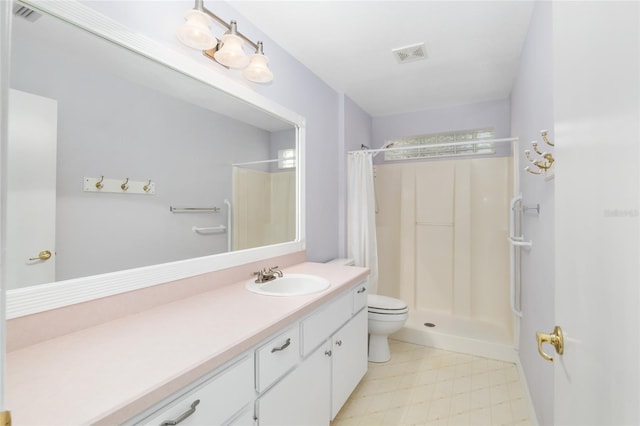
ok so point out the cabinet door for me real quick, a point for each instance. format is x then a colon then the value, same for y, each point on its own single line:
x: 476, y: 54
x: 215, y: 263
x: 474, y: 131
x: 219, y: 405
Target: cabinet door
x: 217, y: 400
x: 349, y: 360
x: 302, y: 397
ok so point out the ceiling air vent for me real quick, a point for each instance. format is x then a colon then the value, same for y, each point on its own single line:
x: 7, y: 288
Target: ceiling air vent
x: 415, y: 52
x: 26, y: 13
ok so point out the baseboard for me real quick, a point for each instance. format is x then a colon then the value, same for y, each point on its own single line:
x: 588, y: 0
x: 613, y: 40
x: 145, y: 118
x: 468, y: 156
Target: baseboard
x: 435, y: 339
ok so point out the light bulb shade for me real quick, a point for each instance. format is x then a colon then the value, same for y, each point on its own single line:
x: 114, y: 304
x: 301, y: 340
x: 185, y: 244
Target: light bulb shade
x: 231, y: 53
x: 195, y: 32
x: 258, y: 71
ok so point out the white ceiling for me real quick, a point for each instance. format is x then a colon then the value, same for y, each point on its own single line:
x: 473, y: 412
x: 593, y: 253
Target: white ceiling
x: 473, y: 47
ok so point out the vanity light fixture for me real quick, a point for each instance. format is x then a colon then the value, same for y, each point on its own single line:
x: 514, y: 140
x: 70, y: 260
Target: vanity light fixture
x: 228, y: 51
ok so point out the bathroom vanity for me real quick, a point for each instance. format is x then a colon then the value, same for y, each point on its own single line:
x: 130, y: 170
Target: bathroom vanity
x: 226, y: 356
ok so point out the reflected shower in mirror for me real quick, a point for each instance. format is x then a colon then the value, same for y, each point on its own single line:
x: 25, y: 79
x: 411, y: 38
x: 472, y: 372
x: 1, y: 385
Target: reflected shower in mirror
x: 114, y: 115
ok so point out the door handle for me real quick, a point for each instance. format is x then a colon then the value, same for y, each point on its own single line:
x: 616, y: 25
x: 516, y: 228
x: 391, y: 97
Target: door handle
x: 43, y: 255
x: 556, y: 339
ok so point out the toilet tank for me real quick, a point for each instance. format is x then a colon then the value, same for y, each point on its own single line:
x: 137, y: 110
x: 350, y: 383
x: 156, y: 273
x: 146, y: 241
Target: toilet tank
x: 343, y: 261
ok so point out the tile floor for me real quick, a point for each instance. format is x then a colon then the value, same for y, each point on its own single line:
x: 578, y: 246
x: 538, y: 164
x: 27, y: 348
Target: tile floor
x: 427, y: 386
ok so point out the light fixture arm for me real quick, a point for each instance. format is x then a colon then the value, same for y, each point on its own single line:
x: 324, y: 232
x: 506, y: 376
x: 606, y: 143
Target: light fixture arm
x: 200, y: 6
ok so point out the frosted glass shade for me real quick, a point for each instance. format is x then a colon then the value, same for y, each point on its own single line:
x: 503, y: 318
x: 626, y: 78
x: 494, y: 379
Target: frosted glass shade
x: 258, y: 71
x: 195, y: 31
x: 231, y: 53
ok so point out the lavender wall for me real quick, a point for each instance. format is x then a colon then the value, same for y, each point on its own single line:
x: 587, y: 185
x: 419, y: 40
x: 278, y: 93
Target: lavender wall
x: 294, y: 87
x: 532, y: 110
x: 463, y: 117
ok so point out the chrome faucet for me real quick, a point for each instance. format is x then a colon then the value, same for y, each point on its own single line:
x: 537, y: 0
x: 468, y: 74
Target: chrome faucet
x: 267, y: 274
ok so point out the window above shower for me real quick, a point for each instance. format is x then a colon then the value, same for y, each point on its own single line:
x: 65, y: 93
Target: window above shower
x: 432, y: 149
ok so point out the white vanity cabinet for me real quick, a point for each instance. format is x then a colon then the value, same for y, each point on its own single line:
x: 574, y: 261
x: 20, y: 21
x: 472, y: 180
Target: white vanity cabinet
x: 302, y: 375
x: 349, y: 360
x: 217, y: 401
x: 302, y: 397
x: 334, y: 360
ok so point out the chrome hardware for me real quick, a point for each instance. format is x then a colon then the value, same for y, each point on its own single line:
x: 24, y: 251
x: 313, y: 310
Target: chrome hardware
x: 43, y: 255
x: 283, y: 347
x: 362, y: 290
x: 328, y: 353
x: 125, y: 185
x: 99, y: 183
x: 556, y: 339
x: 267, y: 274
x: 183, y: 416
x: 339, y: 343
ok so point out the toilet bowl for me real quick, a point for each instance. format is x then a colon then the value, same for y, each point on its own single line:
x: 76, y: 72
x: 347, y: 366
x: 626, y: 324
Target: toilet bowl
x: 386, y: 316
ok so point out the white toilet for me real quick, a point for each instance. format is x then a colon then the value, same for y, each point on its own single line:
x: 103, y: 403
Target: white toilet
x: 386, y: 316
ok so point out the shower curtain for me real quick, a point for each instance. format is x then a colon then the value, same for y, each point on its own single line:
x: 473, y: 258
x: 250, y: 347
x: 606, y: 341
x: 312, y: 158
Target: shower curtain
x: 361, y: 216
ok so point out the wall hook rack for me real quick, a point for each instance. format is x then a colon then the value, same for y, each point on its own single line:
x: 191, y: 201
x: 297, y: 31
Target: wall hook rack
x: 119, y: 186
x: 542, y: 165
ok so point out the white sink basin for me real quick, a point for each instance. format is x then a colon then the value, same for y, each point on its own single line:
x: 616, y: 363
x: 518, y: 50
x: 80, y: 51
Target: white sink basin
x: 290, y: 285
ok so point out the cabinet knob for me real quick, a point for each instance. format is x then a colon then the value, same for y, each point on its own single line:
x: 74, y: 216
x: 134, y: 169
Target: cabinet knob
x: 327, y: 353
x: 339, y: 343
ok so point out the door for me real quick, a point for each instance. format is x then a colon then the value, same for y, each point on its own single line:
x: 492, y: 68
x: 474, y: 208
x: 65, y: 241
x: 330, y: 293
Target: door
x: 31, y: 190
x: 596, y: 98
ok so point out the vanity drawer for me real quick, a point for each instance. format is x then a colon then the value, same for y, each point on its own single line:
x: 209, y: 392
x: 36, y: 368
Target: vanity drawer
x: 276, y: 357
x: 360, y: 296
x: 319, y: 326
x: 220, y: 398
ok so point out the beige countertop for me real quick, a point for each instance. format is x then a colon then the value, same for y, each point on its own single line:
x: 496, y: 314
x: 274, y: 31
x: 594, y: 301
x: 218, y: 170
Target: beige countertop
x: 108, y: 373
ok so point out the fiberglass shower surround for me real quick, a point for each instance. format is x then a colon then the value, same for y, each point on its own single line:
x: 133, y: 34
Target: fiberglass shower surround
x: 442, y: 232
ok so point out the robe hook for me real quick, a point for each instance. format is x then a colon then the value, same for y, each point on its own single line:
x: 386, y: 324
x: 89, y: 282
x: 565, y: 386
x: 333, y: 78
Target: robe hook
x: 99, y: 184
x: 147, y: 187
x: 125, y: 185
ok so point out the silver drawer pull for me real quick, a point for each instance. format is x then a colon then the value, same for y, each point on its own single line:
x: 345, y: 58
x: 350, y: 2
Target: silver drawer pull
x: 362, y: 290
x: 283, y: 347
x: 183, y: 416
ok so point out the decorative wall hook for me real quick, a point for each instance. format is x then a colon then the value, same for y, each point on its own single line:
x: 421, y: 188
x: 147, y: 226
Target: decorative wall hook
x: 125, y: 185
x: 544, y: 138
x: 147, y: 187
x: 99, y: 184
x: 543, y: 164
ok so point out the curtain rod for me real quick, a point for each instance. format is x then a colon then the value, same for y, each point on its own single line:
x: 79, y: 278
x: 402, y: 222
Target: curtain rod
x: 436, y: 145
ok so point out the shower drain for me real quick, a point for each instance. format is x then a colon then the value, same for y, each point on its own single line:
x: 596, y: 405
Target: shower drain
x: 429, y: 324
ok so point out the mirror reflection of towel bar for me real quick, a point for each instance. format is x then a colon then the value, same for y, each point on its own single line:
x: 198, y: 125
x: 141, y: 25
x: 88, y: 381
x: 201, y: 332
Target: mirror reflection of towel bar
x: 194, y: 209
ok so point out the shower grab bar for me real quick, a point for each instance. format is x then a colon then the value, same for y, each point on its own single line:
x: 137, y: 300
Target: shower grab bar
x: 194, y: 209
x: 519, y: 242
x: 210, y: 229
x: 229, y: 210
x: 515, y: 242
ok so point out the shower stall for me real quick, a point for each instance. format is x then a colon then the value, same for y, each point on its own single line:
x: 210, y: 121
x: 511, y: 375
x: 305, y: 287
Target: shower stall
x: 442, y: 231
x: 264, y: 200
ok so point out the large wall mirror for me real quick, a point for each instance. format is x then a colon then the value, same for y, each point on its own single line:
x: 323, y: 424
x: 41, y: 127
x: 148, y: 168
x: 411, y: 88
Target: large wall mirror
x: 126, y: 168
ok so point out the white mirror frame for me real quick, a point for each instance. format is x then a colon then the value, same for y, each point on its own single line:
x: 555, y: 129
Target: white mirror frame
x: 30, y: 300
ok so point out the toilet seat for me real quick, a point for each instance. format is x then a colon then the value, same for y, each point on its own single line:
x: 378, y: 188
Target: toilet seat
x: 378, y: 304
